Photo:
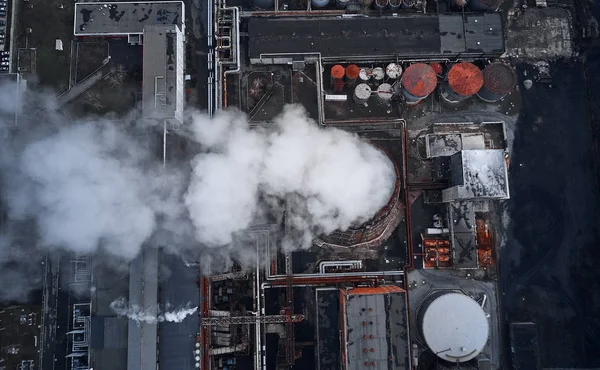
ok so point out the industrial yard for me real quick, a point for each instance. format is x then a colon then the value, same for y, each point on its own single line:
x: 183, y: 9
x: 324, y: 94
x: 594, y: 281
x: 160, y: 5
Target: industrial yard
x: 477, y: 119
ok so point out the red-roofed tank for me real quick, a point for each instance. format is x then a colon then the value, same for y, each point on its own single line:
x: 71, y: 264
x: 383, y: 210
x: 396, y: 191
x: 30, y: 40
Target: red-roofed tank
x: 418, y: 81
x: 499, y: 79
x: 463, y: 81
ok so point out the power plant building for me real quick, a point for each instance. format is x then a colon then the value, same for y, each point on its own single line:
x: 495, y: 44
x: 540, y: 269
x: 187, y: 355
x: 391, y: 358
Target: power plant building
x: 128, y: 19
x: 375, y: 38
x: 374, y: 327
x: 163, y: 74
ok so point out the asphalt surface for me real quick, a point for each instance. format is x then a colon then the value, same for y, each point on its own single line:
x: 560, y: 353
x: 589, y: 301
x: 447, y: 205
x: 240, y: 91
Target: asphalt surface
x: 548, y: 262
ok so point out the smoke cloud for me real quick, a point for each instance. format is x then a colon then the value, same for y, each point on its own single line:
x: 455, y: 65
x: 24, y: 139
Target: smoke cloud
x: 133, y: 312
x: 97, y: 184
x: 333, y: 178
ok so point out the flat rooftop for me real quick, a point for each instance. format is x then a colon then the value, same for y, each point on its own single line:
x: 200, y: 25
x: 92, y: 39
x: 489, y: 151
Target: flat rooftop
x: 464, y: 238
x: 375, y: 328
x: 10, y: 94
x: 479, y: 174
x: 410, y: 35
x: 125, y: 18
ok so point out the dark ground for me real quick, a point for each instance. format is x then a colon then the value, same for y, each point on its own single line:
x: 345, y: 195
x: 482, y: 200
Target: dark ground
x: 548, y: 265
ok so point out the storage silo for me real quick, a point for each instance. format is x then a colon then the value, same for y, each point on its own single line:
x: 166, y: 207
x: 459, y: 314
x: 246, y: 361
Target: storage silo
x: 485, y: 5
x: 385, y: 92
x: 395, y: 4
x: 463, y: 81
x: 319, y: 3
x: 408, y: 4
x: 499, y: 80
x: 437, y: 68
x: 352, y: 72
x: 381, y: 4
x: 378, y: 75
x: 418, y: 81
x: 393, y: 71
x: 453, y: 325
x: 365, y: 74
x: 263, y: 4
x: 337, y: 77
x: 362, y: 93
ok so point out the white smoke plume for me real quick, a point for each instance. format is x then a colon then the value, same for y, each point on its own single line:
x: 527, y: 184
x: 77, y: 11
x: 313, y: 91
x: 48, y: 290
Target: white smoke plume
x: 340, y: 179
x: 133, y: 312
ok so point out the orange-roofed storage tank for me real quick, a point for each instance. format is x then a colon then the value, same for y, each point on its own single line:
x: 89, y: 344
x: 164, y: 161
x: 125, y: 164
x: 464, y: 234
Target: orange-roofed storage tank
x: 418, y: 81
x: 352, y: 72
x: 337, y: 77
x: 437, y: 68
x: 499, y: 80
x: 463, y: 81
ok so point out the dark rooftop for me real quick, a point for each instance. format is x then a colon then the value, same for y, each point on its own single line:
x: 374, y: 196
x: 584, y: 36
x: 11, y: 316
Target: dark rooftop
x: 328, y: 302
x: 462, y: 228
x: 380, y: 315
x: 407, y: 35
x: 125, y: 18
x: 19, y: 335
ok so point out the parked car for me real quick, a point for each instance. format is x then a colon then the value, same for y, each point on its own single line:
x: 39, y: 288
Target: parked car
x: 2, y: 9
x: 3, y: 69
x: 4, y: 53
x: 6, y: 59
x: 4, y: 63
x: 2, y: 14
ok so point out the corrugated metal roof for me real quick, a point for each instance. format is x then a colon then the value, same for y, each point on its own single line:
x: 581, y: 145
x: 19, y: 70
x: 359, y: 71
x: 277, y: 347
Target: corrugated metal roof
x: 376, y: 328
x: 484, y: 33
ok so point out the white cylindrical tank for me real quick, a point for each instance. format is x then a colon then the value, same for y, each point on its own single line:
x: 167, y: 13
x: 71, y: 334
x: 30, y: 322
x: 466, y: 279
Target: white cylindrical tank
x: 384, y: 93
x: 365, y: 74
x: 381, y: 4
x: 378, y: 75
x: 362, y: 93
x: 393, y: 71
x: 453, y: 326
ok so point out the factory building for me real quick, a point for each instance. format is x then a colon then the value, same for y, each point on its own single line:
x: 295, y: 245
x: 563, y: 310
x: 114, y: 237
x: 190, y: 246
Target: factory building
x: 12, y: 87
x: 126, y: 19
x: 163, y: 74
x: 477, y: 174
x: 374, y: 328
x: 274, y: 40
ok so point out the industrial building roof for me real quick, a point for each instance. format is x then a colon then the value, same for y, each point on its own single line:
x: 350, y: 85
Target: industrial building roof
x: 125, y: 18
x: 375, y: 328
x: 163, y: 79
x: 406, y: 35
x: 328, y: 308
x: 108, y: 342
x: 11, y: 88
x: 464, y: 239
x: 478, y: 174
x: 143, y: 293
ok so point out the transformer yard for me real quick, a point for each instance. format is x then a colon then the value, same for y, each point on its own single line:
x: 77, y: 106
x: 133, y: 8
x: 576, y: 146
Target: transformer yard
x: 480, y: 258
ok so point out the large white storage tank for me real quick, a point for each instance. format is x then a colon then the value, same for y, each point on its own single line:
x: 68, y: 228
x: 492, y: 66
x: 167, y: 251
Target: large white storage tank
x: 453, y: 325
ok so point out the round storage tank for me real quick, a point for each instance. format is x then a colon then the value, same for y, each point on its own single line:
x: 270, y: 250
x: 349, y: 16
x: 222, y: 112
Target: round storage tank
x: 365, y: 3
x: 381, y: 4
x: 395, y: 4
x: 408, y: 4
x: 464, y: 80
x: 418, y: 81
x: 437, y: 68
x: 352, y: 72
x: 319, y: 3
x: 458, y: 4
x: 365, y: 74
x: 393, y: 71
x: 499, y: 80
x: 378, y: 75
x: 453, y: 326
x: 342, y: 4
x: 263, y: 4
x: 385, y: 93
x: 362, y: 93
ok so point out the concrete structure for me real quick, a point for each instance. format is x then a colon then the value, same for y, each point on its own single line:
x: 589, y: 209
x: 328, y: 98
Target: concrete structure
x: 12, y: 87
x: 453, y: 325
x: 476, y: 175
x: 163, y: 74
x: 374, y: 38
x: 126, y: 18
x: 143, y: 293
x: 374, y: 327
